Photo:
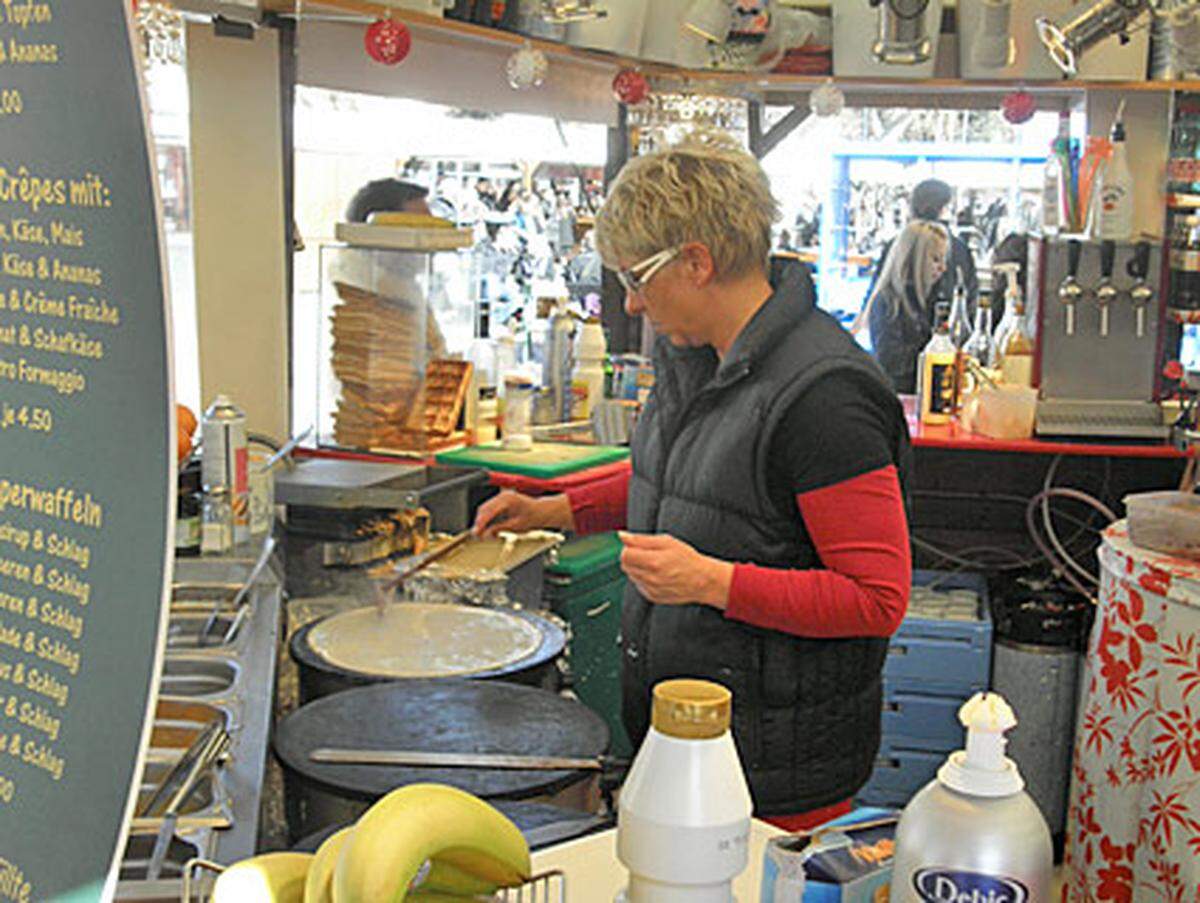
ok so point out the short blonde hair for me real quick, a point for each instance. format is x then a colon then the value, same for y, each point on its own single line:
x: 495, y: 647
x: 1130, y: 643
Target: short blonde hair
x: 706, y: 189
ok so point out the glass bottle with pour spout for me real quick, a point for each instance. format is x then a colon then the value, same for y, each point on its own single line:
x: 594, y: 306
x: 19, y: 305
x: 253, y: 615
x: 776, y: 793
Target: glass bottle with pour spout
x: 937, y: 380
x: 980, y: 345
x: 959, y: 324
x: 683, y: 825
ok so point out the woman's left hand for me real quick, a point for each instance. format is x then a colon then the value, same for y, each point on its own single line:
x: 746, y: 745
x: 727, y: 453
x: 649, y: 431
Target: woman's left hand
x: 668, y: 571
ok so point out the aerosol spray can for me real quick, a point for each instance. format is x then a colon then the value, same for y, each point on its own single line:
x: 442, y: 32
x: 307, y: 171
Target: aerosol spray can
x: 225, y: 468
x: 973, y: 834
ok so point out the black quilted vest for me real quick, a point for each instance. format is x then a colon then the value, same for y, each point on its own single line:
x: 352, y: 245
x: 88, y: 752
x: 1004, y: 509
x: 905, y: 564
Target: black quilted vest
x: 806, y: 712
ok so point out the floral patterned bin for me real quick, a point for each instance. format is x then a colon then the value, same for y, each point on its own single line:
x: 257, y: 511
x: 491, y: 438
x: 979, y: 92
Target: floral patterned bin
x: 1133, y: 830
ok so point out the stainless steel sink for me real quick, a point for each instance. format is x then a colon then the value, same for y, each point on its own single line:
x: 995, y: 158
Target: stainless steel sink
x: 200, y: 799
x: 177, y: 722
x: 200, y: 685
x: 195, y: 677
x: 183, y: 629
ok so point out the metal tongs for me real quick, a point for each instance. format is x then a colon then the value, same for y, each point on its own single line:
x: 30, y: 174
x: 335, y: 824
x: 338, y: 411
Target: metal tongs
x: 264, y: 556
x: 177, y: 787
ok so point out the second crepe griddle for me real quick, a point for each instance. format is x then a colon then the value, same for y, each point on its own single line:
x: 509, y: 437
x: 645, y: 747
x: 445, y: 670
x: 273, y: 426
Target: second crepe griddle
x: 441, y: 716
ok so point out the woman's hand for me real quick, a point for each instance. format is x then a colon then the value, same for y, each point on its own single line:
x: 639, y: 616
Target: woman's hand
x: 517, y: 513
x: 668, y: 571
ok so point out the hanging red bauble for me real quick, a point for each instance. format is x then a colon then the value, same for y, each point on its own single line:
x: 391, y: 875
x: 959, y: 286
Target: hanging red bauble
x: 388, y: 42
x: 1018, y: 107
x: 630, y: 87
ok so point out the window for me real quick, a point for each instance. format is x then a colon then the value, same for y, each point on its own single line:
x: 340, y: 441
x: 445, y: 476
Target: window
x: 167, y: 92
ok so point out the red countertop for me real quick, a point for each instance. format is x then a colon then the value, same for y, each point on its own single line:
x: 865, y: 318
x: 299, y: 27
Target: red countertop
x: 953, y: 436
x: 949, y: 436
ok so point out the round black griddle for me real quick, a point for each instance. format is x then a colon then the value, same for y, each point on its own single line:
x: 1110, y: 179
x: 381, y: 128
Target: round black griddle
x: 445, y: 715
x: 542, y: 824
x: 319, y: 677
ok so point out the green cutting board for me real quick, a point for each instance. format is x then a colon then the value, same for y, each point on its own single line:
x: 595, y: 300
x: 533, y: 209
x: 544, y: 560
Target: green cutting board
x: 544, y: 461
x: 586, y: 556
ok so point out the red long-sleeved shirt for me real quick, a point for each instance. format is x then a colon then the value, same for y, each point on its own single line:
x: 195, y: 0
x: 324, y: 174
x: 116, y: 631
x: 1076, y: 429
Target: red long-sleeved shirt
x: 860, y: 531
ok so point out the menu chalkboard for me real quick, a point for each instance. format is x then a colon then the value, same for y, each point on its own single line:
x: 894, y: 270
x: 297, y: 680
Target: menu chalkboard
x: 86, y: 443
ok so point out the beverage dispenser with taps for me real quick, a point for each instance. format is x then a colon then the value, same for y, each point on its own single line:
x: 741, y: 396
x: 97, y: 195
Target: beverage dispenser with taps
x: 1070, y: 292
x: 1106, y: 292
x: 1141, y: 293
x: 1097, y: 374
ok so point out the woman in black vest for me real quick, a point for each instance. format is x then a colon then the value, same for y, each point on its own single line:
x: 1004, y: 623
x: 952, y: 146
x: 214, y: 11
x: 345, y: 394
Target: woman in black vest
x: 767, y: 546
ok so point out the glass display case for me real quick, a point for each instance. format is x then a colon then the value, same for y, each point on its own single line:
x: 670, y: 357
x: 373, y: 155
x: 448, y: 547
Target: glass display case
x: 395, y: 326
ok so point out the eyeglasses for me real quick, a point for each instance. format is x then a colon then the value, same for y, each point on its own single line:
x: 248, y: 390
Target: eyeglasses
x: 635, y: 278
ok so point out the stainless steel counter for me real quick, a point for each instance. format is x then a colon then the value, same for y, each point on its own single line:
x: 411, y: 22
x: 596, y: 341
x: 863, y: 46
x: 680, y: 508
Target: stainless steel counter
x: 232, y: 681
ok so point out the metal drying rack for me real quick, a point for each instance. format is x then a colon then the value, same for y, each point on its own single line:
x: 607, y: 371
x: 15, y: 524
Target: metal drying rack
x: 547, y: 887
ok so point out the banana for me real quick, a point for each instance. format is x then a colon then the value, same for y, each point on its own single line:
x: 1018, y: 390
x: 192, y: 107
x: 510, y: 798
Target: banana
x: 318, y: 886
x: 427, y: 821
x: 269, y: 878
x: 421, y: 896
x: 444, y: 878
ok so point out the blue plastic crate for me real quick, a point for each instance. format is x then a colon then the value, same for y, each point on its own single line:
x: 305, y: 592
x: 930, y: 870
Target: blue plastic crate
x: 922, y: 720
x: 899, y: 773
x: 939, y: 656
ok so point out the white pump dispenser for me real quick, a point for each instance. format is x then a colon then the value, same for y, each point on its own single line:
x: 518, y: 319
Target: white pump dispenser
x: 974, y: 831
x: 982, y: 769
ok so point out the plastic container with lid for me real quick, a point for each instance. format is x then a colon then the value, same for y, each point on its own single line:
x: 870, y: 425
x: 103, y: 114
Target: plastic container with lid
x: 590, y: 351
x: 683, y: 824
x: 518, y: 412
x: 1165, y: 522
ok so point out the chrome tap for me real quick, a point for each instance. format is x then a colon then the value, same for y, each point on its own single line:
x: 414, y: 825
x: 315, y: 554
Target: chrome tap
x: 1141, y: 293
x: 1106, y: 292
x: 1070, y: 292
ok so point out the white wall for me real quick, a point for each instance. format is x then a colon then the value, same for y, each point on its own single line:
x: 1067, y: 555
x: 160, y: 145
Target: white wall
x: 238, y: 204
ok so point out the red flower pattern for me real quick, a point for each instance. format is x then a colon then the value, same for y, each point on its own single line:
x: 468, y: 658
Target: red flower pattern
x: 1183, y: 655
x: 1134, y: 817
x: 1095, y: 729
x: 1116, y: 881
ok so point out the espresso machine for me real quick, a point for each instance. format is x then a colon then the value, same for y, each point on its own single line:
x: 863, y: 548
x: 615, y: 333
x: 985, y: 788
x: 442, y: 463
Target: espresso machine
x: 1100, y: 314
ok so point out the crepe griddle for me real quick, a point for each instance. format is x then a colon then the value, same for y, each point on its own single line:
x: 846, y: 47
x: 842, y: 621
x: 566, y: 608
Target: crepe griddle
x: 319, y: 677
x: 542, y: 824
x: 448, y: 715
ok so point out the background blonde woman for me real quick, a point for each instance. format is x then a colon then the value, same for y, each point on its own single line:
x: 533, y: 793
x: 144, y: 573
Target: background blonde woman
x: 768, y: 547
x: 900, y: 308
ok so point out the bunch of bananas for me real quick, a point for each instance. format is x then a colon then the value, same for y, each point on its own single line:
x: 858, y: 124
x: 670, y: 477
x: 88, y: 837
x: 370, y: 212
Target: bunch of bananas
x: 425, y: 843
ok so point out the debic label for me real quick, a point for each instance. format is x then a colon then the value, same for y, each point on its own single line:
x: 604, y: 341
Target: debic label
x: 945, y: 886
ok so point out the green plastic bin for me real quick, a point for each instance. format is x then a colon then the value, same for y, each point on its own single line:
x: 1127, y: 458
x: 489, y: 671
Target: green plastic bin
x: 586, y: 588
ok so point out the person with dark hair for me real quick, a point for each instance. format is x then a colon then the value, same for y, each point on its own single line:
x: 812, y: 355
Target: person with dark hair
x: 901, y: 327
x: 930, y: 202
x: 396, y: 277
x: 387, y: 196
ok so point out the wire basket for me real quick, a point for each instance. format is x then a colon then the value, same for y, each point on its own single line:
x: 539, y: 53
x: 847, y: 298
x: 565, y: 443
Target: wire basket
x: 548, y: 887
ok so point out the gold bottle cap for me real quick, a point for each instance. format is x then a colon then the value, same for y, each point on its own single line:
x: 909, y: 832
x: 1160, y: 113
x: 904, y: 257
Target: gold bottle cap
x: 691, y: 709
